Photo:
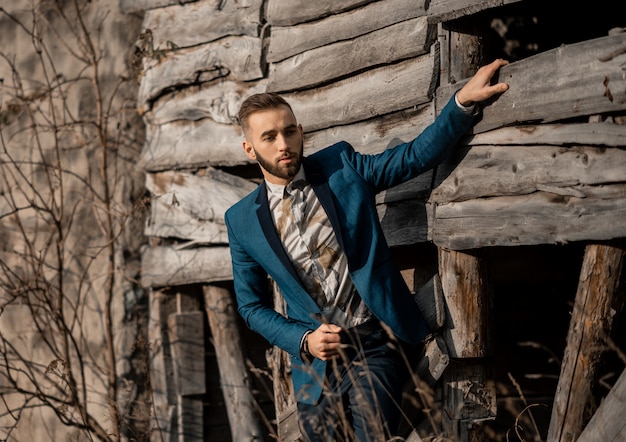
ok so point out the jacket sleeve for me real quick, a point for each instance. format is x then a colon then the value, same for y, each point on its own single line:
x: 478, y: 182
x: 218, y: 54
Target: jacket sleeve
x: 255, y: 299
x: 407, y: 160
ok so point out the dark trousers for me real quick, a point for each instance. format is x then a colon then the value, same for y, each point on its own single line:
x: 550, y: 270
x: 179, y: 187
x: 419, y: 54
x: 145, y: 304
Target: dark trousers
x: 363, y: 390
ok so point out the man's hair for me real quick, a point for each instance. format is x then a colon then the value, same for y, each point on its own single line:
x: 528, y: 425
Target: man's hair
x: 257, y: 103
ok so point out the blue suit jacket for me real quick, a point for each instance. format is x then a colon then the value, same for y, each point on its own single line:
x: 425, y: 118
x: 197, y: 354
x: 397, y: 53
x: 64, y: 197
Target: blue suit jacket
x: 346, y: 183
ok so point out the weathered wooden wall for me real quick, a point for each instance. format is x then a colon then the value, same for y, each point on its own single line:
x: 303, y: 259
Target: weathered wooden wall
x: 545, y: 165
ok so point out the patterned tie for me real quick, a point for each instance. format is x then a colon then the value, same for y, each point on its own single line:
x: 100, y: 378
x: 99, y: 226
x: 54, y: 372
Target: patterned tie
x: 295, y: 192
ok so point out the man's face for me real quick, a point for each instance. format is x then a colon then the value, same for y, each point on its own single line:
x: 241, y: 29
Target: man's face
x: 275, y: 140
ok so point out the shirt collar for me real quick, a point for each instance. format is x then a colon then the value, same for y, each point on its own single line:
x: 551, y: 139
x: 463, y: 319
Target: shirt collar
x: 278, y: 190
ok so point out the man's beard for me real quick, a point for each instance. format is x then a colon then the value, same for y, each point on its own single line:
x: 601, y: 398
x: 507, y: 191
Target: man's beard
x: 284, y: 172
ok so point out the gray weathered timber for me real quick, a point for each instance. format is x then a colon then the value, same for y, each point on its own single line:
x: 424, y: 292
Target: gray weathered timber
x: 235, y: 379
x: 291, y: 40
x: 537, y: 218
x: 201, y: 22
x: 515, y: 170
x: 597, y: 302
x: 404, y: 222
x: 163, y: 394
x: 128, y: 6
x: 186, y: 338
x: 282, y: 13
x: 608, y: 423
x: 189, y: 144
x: 317, y: 66
x: 168, y: 266
x: 590, y: 134
x: 190, y: 420
x: 219, y: 101
x: 183, y: 67
x: 444, y: 10
x: 577, y: 80
x: 371, y: 94
x: 468, y: 385
x: 375, y: 135
x: 190, y: 206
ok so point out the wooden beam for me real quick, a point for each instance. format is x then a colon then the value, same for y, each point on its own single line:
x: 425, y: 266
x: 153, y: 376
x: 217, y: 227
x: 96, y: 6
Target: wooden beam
x: 281, y: 13
x: 287, y: 41
x: 590, y: 71
x: 234, y: 376
x: 410, y: 38
x: 590, y: 324
x: 469, y: 394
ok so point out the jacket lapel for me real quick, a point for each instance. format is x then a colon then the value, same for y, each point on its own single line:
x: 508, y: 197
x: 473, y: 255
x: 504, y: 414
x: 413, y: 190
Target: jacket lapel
x: 267, y: 225
x: 324, y: 195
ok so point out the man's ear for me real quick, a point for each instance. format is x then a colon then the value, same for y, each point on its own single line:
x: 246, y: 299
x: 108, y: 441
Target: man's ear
x: 249, y: 150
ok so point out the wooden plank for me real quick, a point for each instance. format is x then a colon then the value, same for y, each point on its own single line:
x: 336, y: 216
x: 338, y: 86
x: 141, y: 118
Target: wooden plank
x: 130, y: 6
x: 608, y: 423
x: 185, y: 25
x: 235, y: 58
x: 446, y: 10
x: 281, y: 13
x: 538, y: 218
x: 291, y: 40
x: 467, y: 331
x: 167, y: 266
x: 578, y: 80
x: 404, y: 223
x: 218, y: 101
x: 190, y: 144
x: 374, y: 135
x: 317, y: 66
x: 373, y: 93
x: 186, y: 336
x: 469, y: 395
x: 183, y: 144
x: 234, y: 376
x: 515, y: 170
x: 161, y: 369
x: 192, y: 206
x: 190, y: 419
x: 590, y: 134
x: 591, y: 323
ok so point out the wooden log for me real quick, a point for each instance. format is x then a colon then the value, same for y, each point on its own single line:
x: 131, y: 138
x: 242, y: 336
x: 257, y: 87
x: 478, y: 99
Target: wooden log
x: 190, y: 419
x: 607, y: 423
x: 446, y: 10
x: 131, y: 6
x: 280, y: 13
x: 183, y: 144
x: 517, y: 170
x: 467, y: 331
x: 220, y: 101
x: 168, y: 266
x: 469, y: 399
x: 404, y: 222
x: 186, y: 337
x: 234, y: 376
x: 163, y: 422
x: 469, y: 394
x: 185, y: 25
x: 192, y: 206
x: 590, y: 71
x: 284, y: 400
x: 373, y: 93
x: 586, y: 134
x: 410, y: 38
x: 291, y: 40
x: 538, y: 218
x: 184, y: 67
x: 590, y: 325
